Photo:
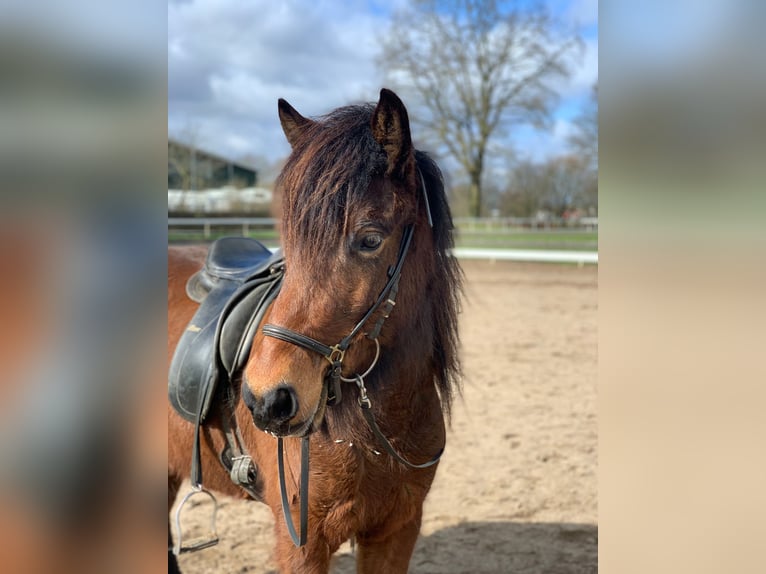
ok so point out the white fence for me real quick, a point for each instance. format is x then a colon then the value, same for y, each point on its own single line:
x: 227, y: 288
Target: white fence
x: 245, y: 224
x: 534, y: 255
x: 206, y: 223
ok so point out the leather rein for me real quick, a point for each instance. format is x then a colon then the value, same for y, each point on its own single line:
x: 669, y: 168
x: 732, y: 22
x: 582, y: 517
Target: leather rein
x: 335, y: 354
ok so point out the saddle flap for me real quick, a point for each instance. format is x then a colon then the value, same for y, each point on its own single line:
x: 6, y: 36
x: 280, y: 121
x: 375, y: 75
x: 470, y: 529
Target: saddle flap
x: 240, y: 321
x: 216, y: 342
x: 193, y: 369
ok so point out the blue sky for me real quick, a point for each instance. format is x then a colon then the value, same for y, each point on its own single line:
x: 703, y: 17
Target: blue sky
x: 230, y: 60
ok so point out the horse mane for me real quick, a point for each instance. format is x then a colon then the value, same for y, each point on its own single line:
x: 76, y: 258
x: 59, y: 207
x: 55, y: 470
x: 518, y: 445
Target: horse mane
x: 446, y: 287
x: 326, y: 178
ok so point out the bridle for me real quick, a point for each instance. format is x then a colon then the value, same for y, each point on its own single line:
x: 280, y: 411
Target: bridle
x: 387, y: 300
x: 335, y: 354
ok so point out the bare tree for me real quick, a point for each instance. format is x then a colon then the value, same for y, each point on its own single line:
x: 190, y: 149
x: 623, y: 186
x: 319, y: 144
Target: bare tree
x: 556, y: 186
x: 565, y: 182
x: 478, y: 66
x: 180, y: 160
x: 584, y: 140
x: 526, y: 188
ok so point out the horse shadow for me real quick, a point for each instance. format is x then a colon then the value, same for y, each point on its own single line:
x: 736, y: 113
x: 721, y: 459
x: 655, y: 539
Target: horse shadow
x: 501, y: 547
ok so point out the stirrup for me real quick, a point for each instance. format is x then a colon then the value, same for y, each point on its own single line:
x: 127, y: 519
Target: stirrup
x: 200, y: 543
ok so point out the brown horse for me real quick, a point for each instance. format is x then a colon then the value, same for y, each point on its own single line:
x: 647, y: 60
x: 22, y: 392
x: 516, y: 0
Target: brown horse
x: 354, y: 191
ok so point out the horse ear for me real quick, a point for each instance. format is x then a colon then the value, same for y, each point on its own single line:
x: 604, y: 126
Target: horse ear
x: 391, y: 129
x: 293, y: 124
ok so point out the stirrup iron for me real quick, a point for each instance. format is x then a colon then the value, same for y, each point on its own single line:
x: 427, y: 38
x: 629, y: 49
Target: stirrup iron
x: 199, y: 543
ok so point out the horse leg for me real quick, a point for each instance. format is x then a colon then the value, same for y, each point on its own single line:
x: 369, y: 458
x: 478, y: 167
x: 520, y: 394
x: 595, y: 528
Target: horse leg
x: 174, y: 483
x: 389, y: 552
x: 312, y: 558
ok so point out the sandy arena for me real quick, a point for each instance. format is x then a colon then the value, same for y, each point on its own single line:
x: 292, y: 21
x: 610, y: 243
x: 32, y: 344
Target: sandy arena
x: 516, y: 490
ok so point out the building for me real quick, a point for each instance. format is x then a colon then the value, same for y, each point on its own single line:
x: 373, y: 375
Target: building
x: 195, y: 169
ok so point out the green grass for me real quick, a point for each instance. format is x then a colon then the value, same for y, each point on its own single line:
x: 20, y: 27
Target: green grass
x: 544, y: 239
x: 269, y: 237
x: 568, y: 240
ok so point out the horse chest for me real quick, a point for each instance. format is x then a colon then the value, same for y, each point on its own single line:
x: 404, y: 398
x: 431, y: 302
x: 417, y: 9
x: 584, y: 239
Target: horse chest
x: 358, y: 492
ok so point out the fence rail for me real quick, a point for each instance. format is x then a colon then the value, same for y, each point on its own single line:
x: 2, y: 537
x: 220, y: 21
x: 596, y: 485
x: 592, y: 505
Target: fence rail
x: 476, y: 231
x: 207, y: 223
x: 495, y: 224
x: 532, y: 255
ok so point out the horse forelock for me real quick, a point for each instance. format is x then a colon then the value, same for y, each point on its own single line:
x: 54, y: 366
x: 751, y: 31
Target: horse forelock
x: 326, y: 178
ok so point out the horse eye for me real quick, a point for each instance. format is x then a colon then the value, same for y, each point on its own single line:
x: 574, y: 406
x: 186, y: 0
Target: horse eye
x: 371, y: 242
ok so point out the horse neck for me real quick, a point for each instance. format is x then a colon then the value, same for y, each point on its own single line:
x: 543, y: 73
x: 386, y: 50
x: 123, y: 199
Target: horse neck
x: 406, y: 366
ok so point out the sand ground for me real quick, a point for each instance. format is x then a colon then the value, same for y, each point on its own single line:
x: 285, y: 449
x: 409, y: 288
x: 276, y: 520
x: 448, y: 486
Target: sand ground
x: 516, y: 490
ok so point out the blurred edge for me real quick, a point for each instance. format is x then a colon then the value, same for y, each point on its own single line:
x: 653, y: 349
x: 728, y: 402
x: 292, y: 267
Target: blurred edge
x: 681, y: 277
x: 82, y: 249
x: 82, y: 293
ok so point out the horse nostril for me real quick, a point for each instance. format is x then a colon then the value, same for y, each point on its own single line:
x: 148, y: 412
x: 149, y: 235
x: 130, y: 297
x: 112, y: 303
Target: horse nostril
x: 281, y: 404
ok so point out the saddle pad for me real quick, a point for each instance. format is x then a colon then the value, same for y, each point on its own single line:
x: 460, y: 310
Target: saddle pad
x: 217, y: 341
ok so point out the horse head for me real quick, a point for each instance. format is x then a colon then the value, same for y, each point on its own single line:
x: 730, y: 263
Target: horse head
x: 353, y: 198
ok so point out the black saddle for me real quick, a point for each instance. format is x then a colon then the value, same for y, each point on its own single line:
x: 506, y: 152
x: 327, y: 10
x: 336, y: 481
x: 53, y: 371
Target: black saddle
x: 230, y: 260
x: 240, y: 279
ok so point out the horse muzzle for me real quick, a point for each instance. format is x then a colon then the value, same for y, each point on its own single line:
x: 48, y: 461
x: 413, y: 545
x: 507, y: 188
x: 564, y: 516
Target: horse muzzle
x: 278, y: 411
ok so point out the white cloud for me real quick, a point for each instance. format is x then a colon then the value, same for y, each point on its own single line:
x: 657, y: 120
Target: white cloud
x: 229, y: 62
x: 541, y: 145
x: 586, y: 73
x: 239, y: 143
x: 562, y: 131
